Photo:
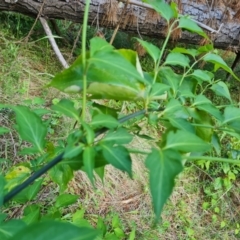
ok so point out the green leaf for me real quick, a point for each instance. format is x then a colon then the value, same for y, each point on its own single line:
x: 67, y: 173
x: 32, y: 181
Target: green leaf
x: 133, y: 58
x: 40, y: 112
x: 66, y: 107
x: 82, y: 223
x: 74, y: 163
x: 161, y: 7
x: 153, y: 118
x: 79, y: 214
x: 120, y: 136
x: 232, y: 118
x: 2, y: 184
x: 163, y: 167
x: 188, y: 88
x: 132, y: 235
x: 99, y: 44
x: 190, y: 25
x: 174, y: 7
x: 100, y: 171
x: 174, y: 109
x: 118, y: 156
x: 216, y: 144
x: 167, y: 76
x: 3, y: 216
x: 32, y: 216
x: 90, y: 135
x: 206, y: 48
x: 158, y: 91
x: 231, y: 114
x: 185, y: 142
x: 200, y: 100
x: 30, y: 208
x: 53, y: 214
x: 203, y: 75
x: 204, y: 132
x: 61, y: 174
x: 30, y: 127
x: 38, y: 101
x: 55, y: 231
x: 29, y: 193
x: 203, y: 103
x: 73, y: 151
x: 211, y: 109
x: 101, y: 226
x: 119, y: 232
x: 10, y: 228
x: 177, y: 59
x: 34, y: 189
x: 4, y: 130
x: 98, y: 108
x: 65, y: 200
x: 111, y: 76
x: 70, y: 79
x: 221, y: 89
x: 115, y: 221
x: 110, y: 236
x: 182, y: 124
x: 103, y: 120
x: 152, y: 50
x: 218, y: 62
x: 191, y: 52
x: 89, y: 162
x: 28, y: 151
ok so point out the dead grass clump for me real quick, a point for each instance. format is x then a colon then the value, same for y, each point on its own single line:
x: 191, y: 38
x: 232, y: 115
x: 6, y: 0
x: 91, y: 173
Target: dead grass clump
x: 237, y: 15
x: 111, y: 13
x: 177, y: 33
x: 139, y: 49
x: 153, y: 17
x: 118, y: 194
x: 129, y: 19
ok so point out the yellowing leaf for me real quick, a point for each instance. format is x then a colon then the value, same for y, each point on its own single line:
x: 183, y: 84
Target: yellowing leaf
x: 16, y: 172
x: 16, y: 176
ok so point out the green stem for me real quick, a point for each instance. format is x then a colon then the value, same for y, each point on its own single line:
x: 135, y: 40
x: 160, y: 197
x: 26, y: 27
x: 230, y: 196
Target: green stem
x: 229, y: 105
x: 186, y: 73
x: 212, y: 159
x: 157, y: 68
x: 207, y: 87
x: 192, y: 158
x: 84, y: 40
x: 204, y: 126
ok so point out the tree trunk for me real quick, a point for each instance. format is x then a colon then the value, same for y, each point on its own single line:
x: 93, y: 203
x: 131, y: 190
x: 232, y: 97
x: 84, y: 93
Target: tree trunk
x: 140, y: 19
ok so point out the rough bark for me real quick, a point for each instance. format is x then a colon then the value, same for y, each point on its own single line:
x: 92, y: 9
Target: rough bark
x: 137, y: 19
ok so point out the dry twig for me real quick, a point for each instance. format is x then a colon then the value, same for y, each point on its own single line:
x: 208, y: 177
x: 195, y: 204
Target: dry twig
x: 53, y: 42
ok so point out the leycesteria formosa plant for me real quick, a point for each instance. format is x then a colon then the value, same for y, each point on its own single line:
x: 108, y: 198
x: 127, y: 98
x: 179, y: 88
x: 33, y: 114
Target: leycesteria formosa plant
x: 175, y: 101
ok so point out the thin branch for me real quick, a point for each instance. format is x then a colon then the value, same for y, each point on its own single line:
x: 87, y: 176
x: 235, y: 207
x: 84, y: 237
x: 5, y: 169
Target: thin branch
x: 53, y: 42
x: 35, y: 22
x: 75, y: 43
